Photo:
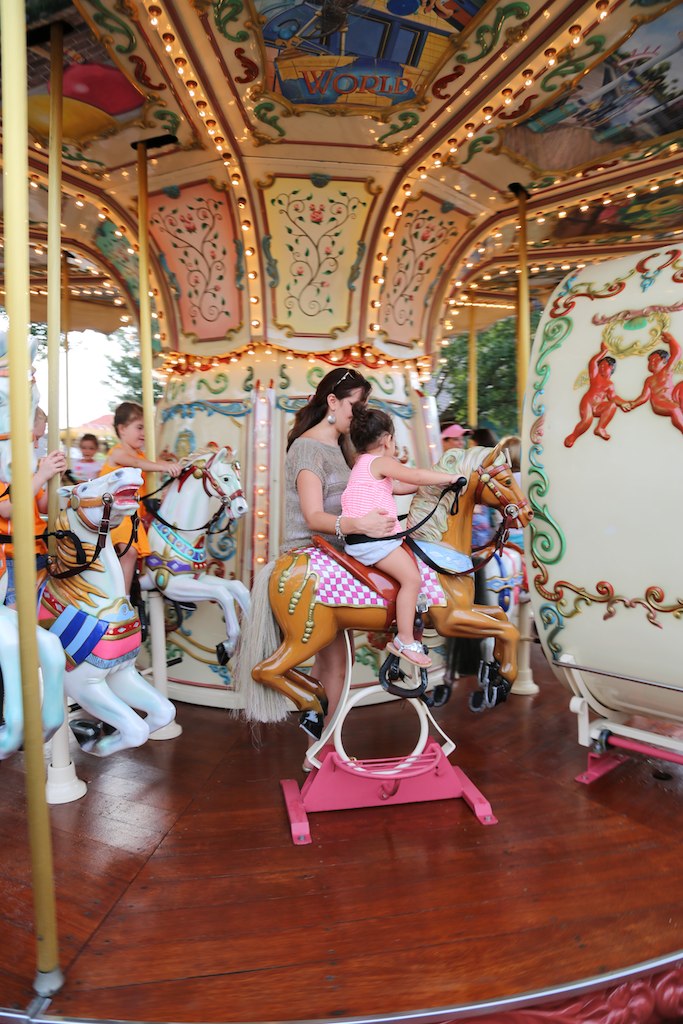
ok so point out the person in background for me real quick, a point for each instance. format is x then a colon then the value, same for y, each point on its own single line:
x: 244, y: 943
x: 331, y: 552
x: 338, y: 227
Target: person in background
x: 50, y: 466
x: 87, y: 467
x: 513, y: 445
x: 39, y: 428
x: 130, y: 430
x: 455, y: 436
x: 483, y: 522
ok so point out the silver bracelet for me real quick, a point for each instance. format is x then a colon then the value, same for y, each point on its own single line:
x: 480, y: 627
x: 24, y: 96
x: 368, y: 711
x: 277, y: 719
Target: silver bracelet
x: 338, y: 530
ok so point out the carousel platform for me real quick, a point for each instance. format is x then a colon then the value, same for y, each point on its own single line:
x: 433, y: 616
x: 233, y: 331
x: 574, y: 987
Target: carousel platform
x: 181, y: 896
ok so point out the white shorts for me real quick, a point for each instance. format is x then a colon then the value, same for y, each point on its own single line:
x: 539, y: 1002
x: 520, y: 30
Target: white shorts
x: 373, y: 551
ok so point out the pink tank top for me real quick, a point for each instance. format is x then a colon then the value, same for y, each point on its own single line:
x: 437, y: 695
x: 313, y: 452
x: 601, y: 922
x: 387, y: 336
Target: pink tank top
x: 364, y: 493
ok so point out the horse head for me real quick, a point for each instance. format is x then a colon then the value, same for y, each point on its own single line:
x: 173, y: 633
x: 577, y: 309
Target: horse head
x: 116, y: 492
x: 497, y: 487
x: 490, y: 481
x: 219, y: 471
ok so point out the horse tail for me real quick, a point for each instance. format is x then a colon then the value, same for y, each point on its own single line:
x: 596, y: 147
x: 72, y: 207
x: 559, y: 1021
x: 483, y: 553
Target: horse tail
x: 259, y: 639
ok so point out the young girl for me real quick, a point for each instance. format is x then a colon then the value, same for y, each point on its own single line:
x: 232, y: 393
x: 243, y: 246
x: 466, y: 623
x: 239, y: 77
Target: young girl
x: 376, y: 476
x: 87, y: 467
x: 130, y: 430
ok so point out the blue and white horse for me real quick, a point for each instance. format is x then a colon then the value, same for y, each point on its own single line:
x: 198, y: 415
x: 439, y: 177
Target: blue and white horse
x: 177, y: 566
x: 86, y: 606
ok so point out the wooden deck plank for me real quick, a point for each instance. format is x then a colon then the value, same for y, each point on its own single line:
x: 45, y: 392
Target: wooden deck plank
x: 181, y: 896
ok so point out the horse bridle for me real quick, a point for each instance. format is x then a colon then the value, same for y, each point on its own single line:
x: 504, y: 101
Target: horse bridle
x: 77, y: 503
x: 206, y: 477
x: 487, y: 475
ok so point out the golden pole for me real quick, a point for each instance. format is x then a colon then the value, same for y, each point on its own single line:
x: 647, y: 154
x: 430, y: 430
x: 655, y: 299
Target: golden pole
x: 145, y: 310
x: 65, y: 331
x: 49, y: 978
x: 472, y: 410
x: 523, y: 309
x: 54, y: 256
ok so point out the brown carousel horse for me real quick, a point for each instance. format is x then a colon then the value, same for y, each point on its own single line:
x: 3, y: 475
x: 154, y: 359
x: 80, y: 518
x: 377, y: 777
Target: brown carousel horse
x: 314, y: 594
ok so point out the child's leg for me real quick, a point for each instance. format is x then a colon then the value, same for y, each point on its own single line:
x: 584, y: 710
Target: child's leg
x: 402, y: 567
x: 128, y: 565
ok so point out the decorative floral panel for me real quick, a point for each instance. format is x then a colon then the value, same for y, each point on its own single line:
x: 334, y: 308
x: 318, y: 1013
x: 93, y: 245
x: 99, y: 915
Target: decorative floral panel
x: 314, y: 248
x: 194, y: 230
x: 417, y: 254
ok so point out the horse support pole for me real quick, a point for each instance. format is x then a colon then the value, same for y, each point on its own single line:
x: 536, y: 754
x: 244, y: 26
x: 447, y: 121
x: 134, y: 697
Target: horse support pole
x: 49, y: 978
x: 156, y: 607
x: 524, y: 685
x: 63, y: 785
x: 159, y: 674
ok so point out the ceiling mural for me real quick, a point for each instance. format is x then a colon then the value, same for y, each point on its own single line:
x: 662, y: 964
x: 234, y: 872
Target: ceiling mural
x: 633, y: 96
x: 194, y: 228
x: 369, y: 55
x: 315, y: 250
x: 446, y: 104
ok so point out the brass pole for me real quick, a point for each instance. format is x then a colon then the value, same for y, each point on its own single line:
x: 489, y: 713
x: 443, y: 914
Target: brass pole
x: 145, y: 309
x: 49, y: 978
x: 472, y: 380
x: 65, y: 329
x: 54, y: 269
x: 523, y: 308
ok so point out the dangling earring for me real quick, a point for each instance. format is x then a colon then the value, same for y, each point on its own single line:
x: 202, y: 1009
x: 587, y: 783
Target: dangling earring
x: 331, y: 418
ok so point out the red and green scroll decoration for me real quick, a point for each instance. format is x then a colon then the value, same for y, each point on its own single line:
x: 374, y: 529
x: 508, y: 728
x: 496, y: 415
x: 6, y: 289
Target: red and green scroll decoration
x: 565, y: 599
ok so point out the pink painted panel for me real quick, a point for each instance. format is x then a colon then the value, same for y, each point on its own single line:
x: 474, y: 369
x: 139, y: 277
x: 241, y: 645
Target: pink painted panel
x: 194, y: 230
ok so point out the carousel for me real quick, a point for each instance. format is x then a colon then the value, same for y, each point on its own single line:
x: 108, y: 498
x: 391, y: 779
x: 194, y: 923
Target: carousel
x: 272, y: 191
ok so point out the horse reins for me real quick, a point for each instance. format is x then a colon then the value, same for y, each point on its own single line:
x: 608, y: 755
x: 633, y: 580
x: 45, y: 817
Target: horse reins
x: 457, y: 488
x: 225, y: 499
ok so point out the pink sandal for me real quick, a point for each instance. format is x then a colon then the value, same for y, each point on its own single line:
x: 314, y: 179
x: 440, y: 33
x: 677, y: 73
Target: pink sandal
x: 412, y: 652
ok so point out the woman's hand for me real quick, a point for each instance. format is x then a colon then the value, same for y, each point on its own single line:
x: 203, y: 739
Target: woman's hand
x: 377, y: 524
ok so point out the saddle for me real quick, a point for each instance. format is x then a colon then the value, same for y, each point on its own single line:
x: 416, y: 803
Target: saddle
x: 372, y: 577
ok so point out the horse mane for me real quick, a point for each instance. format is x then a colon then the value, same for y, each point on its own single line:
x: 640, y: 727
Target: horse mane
x: 205, y: 452
x: 74, y: 590
x: 455, y: 460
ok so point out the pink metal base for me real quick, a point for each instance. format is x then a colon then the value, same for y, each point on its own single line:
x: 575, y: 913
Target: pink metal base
x: 600, y: 764
x: 341, y: 785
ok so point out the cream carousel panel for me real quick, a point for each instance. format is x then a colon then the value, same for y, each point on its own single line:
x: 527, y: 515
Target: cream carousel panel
x: 603, y: 427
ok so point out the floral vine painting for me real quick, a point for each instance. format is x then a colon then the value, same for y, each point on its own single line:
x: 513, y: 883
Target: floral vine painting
x: 416, y: 257
x: 315, y: 234
x: 195, y: 231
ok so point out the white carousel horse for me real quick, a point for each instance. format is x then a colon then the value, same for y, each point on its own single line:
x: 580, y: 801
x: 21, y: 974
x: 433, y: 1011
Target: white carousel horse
x: 86, y: 606
x: 177, y: 536
x: 50, y: 653
x: 52, y: 661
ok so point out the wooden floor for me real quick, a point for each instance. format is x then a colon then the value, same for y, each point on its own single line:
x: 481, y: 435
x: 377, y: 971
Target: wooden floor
x: 182, y: 898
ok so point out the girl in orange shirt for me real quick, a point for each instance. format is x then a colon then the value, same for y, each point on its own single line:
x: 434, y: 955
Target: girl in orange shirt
x: 130, y: 430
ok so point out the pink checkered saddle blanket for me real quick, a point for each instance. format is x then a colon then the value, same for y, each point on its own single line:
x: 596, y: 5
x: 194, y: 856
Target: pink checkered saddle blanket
x: 337, y: 586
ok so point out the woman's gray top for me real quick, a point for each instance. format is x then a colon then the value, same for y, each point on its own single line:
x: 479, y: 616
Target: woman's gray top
x: 327, y: 462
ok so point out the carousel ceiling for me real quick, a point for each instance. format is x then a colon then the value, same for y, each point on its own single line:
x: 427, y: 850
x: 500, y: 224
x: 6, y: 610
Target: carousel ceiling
x: 341, y: 172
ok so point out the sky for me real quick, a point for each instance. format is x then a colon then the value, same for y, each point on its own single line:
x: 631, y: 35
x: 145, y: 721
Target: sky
x: 89, y: 393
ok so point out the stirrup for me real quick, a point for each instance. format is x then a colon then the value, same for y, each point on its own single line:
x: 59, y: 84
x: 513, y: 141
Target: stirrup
x: 392, y: 677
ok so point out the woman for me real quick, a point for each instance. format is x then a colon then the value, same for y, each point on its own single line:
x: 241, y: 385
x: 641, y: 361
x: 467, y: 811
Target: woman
x: 317, y: 468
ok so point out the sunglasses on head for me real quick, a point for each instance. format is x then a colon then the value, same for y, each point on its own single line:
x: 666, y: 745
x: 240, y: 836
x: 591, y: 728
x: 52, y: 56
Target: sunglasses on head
x: 349, y: 373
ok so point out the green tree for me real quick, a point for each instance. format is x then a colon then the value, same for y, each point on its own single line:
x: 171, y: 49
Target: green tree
x: 125, y: 369
x: 496, y: 377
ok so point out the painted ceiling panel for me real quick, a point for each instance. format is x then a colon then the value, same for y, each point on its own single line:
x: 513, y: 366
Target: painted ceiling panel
x: 194, y: 228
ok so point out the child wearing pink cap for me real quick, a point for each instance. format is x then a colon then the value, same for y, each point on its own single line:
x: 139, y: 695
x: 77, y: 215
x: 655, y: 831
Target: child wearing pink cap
x: 455, y: 436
